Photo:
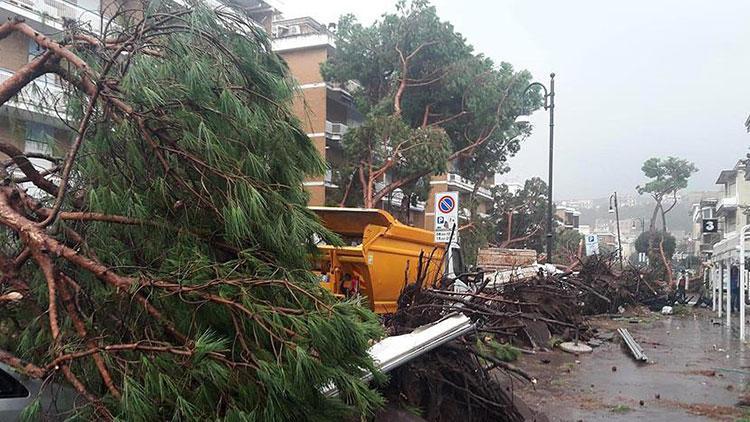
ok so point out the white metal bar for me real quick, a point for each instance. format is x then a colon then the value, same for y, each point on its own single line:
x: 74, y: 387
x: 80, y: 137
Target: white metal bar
x: 728, y: 309
x: 712, y: 275
x: 721, y: 289
x: 743, y: 277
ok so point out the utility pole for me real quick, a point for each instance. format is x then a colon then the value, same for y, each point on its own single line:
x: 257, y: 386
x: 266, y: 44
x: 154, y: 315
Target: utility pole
x: 616, y: 210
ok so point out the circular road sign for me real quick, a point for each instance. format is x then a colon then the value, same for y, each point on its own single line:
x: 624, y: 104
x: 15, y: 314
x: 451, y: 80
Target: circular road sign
x: 446, y: 204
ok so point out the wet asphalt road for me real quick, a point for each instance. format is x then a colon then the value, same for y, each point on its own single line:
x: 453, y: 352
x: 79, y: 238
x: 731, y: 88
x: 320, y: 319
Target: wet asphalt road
x: 697, y: 371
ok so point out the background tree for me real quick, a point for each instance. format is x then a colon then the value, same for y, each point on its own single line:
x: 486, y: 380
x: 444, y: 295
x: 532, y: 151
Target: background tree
x: 659, y: 246
x: 164, y: 273
x: 568, y: 246
x: 668, y: 176
x: 519, y: 217
x: 430, y: 102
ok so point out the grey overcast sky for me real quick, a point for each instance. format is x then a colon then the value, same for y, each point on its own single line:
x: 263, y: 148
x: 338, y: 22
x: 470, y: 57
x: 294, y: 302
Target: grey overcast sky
x: 635, y: 79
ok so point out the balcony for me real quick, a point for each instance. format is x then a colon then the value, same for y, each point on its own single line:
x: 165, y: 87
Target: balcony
x: 42, y: 96
x: 328, y: 180
x: 51, y: 13
x: 300, y: 41
x: 467, y: 185
x: 335, y: 131
x: 397, y: 196
x: 726, y: 204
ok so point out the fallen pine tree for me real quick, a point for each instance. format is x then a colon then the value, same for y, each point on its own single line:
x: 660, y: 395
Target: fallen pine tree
x: 159, y: 268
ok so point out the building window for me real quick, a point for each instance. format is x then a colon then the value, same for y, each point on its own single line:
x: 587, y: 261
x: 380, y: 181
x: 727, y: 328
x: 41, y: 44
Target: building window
x: 729, y: 189
x: 39, y: 139
x: 35, y: 50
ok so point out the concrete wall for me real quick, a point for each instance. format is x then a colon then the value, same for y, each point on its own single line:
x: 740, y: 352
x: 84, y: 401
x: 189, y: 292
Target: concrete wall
x: 304, y: 64
x: 14, y: 51
x: 310, y: 107
x: 11, y: 131
x: 743, y: 189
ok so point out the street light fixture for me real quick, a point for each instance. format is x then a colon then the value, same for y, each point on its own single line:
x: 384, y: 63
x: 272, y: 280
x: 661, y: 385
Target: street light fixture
x: 549, y: 105
x: 616, y: 210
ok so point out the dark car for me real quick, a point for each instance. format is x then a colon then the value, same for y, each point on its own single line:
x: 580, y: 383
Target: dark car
x: 17, y: 392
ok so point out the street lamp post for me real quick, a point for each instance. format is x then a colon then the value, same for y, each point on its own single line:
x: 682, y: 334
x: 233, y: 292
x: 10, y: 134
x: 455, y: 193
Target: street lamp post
x: 640, y: 219
x: 549, y: 105
x: 616, y: 210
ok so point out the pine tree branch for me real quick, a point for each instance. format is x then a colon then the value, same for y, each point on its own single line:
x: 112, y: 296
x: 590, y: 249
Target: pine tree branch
x: 102, y: 412
x: 26, y: 368
x: 23, y: 76
x: 70, y: 159
x: 28, y: 168
x: 80, y: 328
x: 45, y: 263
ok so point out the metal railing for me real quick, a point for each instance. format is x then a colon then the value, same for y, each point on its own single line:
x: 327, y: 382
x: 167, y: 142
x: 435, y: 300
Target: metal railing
x: 42, y: 95
x: 467, y: 185
x: 335, y: 131
x: 54, y: 12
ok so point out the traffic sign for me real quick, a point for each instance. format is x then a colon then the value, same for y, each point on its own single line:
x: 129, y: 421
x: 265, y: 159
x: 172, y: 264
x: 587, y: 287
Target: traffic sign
x: 446, y: 216
x: 592, y: 244
x: 710, y: 225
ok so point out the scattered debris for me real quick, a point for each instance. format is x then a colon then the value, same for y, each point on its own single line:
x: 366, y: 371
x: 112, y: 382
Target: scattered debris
x: 595, y: 342
x: 514, y: 310
x: 575, y: 348
x: 621, y: 408
x: 667, y: 310
x: 635, y: 349
x: 499, y: 259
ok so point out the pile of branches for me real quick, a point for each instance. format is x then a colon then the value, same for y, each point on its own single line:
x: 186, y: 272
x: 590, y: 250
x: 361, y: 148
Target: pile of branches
x: 606, y: 290
x: 472, y: 375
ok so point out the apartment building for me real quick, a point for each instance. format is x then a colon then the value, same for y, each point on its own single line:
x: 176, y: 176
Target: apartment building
x: 32, y: 121
x: 568, y: 217
x: 732, y: 211
x: 325, y: 109
x: 701, y: 244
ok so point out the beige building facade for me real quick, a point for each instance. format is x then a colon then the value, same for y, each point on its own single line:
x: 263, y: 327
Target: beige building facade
x: 326, y: 110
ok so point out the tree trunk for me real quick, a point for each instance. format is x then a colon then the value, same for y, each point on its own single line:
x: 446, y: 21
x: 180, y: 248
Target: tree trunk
x: 510, y: 225
x: 663, y: 219
x: 667, y: 267
x: 652, y: 223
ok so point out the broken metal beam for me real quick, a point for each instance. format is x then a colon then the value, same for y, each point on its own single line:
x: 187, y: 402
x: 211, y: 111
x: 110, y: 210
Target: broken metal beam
x: 635, y: 349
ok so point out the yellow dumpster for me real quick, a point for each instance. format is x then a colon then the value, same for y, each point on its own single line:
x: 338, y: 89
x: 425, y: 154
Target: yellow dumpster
x: 380, y: 256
